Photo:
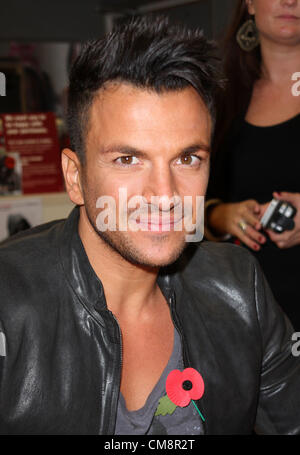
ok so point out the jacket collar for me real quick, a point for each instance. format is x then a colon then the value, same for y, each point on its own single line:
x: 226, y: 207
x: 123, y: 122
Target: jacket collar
x: 79, y: 272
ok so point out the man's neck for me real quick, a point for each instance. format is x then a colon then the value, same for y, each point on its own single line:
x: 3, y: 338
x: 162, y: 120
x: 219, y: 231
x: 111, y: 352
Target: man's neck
x: 130, y: 290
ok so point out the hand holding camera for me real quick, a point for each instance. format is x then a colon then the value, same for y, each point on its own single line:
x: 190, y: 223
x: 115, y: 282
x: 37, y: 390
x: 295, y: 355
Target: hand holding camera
x: 243, y: 221
x: 279, y: 216
x: 281, y: 219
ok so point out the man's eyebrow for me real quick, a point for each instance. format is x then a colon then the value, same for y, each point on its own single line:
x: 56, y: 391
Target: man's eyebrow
x: 195, y: 148
x: 128, y: 150
x: 124, y: 150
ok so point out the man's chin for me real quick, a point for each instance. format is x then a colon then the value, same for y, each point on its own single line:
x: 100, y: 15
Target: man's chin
x: 156, y: 262
x: 143, y: 253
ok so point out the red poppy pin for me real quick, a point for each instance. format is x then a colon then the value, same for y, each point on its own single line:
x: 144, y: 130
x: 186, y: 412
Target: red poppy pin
x: 182, y: 387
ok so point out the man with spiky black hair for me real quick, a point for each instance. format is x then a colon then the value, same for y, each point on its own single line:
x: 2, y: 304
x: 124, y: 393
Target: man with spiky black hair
x: 108, y: 323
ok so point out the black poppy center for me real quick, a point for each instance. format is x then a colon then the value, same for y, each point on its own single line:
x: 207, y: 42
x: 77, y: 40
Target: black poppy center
x: 187, y: 385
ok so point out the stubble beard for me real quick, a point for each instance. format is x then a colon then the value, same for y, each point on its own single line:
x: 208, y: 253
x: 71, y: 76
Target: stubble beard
x: 119, y: 243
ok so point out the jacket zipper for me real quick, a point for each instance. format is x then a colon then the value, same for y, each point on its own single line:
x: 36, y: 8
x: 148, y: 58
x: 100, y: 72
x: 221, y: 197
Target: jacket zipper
x: 185, y: 357
x: 120, y: 372
x: 178, y: 328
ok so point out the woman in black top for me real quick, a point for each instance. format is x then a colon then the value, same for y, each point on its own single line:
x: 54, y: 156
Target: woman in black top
x: 256, y: 141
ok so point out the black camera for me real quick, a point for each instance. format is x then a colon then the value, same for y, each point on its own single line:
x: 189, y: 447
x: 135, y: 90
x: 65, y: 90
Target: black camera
x: 279, y: 216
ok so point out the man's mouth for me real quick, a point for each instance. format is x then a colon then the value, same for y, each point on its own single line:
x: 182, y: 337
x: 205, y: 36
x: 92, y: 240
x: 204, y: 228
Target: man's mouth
x: 288, y: 17
x: 155, y: 222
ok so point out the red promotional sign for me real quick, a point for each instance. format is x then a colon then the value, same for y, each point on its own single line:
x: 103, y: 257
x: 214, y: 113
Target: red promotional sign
x: 34, y: 137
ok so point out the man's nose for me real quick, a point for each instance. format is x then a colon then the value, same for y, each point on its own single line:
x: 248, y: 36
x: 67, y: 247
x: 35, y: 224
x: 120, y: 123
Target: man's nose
x: 160, y: 183
x: 289, y: 2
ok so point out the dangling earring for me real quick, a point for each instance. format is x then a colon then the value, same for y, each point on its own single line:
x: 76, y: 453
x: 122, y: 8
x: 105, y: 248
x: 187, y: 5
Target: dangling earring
x: 247, y: 36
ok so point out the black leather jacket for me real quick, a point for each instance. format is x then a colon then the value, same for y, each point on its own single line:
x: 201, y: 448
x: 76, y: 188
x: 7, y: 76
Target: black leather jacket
x: 61, y: 371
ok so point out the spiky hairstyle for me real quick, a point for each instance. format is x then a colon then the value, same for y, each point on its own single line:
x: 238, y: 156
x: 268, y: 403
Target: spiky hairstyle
x: 149, y: 53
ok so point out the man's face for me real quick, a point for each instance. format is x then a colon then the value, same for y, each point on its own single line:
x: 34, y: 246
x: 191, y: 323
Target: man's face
x: 150, y: 145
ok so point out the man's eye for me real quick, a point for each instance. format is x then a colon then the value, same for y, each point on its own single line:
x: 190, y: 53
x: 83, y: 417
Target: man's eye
x: 127, y: 160
x: 189, y: 160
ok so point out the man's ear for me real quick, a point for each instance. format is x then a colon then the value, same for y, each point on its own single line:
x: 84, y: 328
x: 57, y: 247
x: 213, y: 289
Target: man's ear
x: 71, y: 169
x: 250, y: 6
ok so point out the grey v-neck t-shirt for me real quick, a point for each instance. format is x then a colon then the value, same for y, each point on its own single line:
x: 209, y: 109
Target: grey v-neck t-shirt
x: 183, y: 421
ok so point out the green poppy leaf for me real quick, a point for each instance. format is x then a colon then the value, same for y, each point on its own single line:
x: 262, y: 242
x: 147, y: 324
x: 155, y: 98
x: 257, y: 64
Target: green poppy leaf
x: 165, y: 406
